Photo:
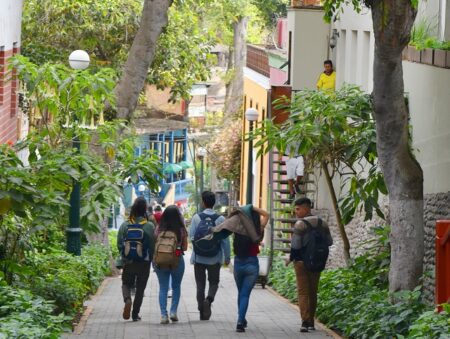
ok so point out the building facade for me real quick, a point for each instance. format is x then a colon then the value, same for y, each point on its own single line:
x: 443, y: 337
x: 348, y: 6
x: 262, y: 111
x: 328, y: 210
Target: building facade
x: 10, y: 29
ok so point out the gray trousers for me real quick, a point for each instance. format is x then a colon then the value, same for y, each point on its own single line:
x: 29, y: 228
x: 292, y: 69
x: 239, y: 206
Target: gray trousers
x: 200, y: 279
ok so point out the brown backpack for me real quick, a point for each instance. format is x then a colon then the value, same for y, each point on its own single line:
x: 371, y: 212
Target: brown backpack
x: 165, y: 250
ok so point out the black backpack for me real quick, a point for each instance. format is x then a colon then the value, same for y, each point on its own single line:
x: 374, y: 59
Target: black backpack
x: 315, y: 252
x: 204, y: 247
x: 134, y: 247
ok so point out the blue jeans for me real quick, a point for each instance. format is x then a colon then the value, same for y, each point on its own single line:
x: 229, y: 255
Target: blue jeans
x: 246, y: 271
x: 164, y: 276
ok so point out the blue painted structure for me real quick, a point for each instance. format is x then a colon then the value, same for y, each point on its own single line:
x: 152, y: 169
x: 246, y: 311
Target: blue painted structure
x: 171, y: 147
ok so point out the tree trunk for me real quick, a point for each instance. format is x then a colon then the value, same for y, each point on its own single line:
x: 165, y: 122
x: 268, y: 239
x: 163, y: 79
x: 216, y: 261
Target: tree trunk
x: 392, y: 22
x: 154, y: 19
x: 238, y: 58
x: 337, y: 212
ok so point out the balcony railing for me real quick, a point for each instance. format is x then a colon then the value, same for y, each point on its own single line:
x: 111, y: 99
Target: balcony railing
x: 179, y: 187
x: 258, y: 60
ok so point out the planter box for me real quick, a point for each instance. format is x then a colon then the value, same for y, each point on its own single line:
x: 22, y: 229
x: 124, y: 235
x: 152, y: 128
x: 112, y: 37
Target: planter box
x: 426, y: 56
x: 305, y: 3
x: 440, y: 58
x: 405, y: 53
x: 413, y: 54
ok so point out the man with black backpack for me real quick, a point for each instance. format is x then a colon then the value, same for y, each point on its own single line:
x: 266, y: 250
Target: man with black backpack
x: 207, y: 255
x: 309, y: 252
x: 135, y: 242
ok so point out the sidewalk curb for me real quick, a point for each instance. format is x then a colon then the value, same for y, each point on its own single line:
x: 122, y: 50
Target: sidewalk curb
x: 79, y: 328
x: 317, y: 322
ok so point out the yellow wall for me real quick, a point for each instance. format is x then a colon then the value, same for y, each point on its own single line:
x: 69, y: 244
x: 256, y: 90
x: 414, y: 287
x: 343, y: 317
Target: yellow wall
x: 257, y: 97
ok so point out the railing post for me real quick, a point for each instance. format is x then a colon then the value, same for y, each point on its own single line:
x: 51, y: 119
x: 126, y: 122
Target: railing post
x: 442, y: 244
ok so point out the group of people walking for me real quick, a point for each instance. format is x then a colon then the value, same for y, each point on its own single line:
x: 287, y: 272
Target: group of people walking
x: 144, y: 243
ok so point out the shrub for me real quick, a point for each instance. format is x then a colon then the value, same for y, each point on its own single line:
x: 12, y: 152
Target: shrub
x: 432, y: 325
x: 24, y: 315
x: 356, y: 300
x: 283, y: 280
x: 67, y: 279
x: 112, y: 235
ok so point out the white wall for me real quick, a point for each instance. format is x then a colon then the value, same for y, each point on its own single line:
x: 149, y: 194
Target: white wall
x: 10, y: 23
x: 428, y: 88
x: 353, y: 54
x: 429, y: 100
x: 309, y: 46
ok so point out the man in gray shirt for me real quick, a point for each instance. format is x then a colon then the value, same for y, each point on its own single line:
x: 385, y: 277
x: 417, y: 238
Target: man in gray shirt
x: 210, y: 258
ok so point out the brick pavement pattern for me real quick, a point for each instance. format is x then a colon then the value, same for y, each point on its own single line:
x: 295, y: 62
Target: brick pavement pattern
x: 268, y: 315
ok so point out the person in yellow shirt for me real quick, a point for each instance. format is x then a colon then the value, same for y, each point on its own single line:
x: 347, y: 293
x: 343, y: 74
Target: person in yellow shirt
x: 327, y: 80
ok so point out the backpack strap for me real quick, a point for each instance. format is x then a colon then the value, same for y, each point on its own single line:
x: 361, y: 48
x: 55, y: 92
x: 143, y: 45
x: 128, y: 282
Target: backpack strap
x: 308, y: 224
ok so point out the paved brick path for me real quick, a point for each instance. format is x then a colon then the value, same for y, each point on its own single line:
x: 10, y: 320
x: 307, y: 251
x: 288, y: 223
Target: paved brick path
x: 268, y: 316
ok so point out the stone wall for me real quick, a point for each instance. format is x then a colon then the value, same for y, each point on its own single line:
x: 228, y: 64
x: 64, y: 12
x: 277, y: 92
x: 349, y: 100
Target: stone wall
x: 436, y: 206
x: 358, y: 233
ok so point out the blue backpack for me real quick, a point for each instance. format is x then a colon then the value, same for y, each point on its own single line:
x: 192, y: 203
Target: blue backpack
x: 204, y: 247
x: 134, y: 247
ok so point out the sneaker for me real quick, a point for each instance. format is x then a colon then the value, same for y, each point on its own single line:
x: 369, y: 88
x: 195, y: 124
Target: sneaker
x: 311, y: 328
x: 304, y: 327
x: 173, y: 317
x: 206, y: 309
x: 245, y: 323
x: 136, y: 318
x: 164, y: 319
x: 240, y: 328
x: 127, y: 309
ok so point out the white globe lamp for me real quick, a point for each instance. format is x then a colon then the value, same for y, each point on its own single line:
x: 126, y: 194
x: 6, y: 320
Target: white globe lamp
x: 79, y: 59
x: 251, y: 114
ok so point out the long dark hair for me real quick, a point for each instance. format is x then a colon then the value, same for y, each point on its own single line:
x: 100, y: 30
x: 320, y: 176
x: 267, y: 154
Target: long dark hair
x: 139, y: 208
x: 171, y: 221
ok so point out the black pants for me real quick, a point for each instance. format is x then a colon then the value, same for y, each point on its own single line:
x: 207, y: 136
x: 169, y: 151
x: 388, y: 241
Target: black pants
x: 135, y: 272
x: 200, y: 279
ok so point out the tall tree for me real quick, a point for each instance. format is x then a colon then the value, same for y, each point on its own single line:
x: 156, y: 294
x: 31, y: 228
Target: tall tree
x: 392, y: 24
x: 236, y: 63
x: 154, y: 19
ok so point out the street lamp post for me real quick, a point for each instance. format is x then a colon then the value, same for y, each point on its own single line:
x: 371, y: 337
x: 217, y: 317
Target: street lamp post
x: 78, y: 60
x: 251, y: 115
x: 201, y: 155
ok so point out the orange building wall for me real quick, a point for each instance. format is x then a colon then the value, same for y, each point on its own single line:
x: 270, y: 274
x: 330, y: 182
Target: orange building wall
x: 257, y: 97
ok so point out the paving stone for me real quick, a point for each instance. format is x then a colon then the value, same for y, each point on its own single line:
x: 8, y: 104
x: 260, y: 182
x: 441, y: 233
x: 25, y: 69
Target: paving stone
x: 268, y: 315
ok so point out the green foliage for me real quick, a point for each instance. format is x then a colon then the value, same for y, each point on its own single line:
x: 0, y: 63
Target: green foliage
x: 283, y: 280
x: 23, y: 315
x: 54, y: 276
x: 361, y: 309
x: 52, y: 29
x: 333, y: 8
x: 356, y: 301
x: 112, y: 236
x: 182, y: 55
x: 422, y: 38
x: 54, y: 91
x: 270, y: 10
x: 431, y: 325
x: 335, y: 129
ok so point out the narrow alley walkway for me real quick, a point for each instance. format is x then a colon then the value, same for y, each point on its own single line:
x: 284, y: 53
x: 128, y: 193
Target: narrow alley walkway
x: 268, y: 316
